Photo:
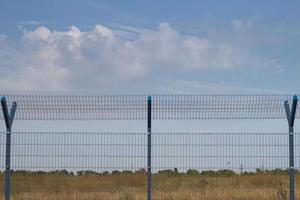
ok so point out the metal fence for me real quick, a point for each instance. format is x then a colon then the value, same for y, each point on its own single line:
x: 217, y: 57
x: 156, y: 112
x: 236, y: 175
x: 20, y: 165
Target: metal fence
x: 150, y: 165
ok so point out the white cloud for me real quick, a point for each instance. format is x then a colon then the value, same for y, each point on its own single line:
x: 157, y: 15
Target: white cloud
x: 246, y: 25
x: 45, y: 60
x: 213, y: 87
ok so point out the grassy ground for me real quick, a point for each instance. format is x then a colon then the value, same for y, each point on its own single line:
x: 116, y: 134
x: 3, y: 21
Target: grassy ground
x: 165, y: 187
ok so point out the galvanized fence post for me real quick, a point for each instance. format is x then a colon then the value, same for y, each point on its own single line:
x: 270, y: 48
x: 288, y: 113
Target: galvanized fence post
x: 149, y: 117
x: 8, y: 117
x: 290, y: 113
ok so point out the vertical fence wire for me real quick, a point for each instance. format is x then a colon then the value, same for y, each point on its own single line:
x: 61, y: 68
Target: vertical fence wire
x: 185, y: 165
x: 165, y: 107
x: 78, y: 165
x: 107, y: 165
x: 221, y: 165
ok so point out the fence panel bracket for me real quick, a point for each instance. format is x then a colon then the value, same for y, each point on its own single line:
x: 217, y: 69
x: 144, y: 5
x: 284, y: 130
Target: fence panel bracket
x: 290, y: 114
x: 8, y: 118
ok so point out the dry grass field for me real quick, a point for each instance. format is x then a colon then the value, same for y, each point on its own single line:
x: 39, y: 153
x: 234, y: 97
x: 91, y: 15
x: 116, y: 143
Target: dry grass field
x: 126, y: 186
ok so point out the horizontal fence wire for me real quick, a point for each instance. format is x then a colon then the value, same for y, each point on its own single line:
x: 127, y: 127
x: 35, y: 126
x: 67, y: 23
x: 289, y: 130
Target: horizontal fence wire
x: 76, y: 165
x: 239, y: 152
x: 115, y: 107
x: 222, y: 166
x: 107, y: 151
x: 112, y: 165
x: 220, y: 107
x: 185, y: 165
x: 76, y: 151
x: 164, y: 107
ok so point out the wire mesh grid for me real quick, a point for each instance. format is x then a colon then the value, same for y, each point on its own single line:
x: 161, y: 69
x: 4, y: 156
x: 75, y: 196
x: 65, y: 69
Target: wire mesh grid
x: 105, y: 165
x: 223, y: 106
x: 76, y: 165
x: 134, y: 107
x: 105, y: 107
x: 222, y: 165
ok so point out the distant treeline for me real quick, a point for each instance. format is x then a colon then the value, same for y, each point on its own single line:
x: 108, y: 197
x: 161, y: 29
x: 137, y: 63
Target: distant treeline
x: 169, y: 172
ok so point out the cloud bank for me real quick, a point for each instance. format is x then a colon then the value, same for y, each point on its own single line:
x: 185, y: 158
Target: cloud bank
x: 45, y: 60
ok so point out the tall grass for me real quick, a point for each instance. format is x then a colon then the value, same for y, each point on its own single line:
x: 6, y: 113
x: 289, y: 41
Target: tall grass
x: 257, y: 186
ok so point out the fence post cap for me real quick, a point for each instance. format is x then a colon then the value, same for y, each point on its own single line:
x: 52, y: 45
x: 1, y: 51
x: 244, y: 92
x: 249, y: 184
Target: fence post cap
x: 295, y: 98
x: 149, y: 98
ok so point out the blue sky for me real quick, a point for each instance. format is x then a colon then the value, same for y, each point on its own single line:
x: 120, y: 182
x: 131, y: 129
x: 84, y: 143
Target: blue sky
x: 149, y: 46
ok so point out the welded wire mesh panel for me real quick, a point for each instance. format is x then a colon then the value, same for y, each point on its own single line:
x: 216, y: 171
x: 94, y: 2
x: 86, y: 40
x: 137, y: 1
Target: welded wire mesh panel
x: 105, y: 107
x: 70, y: 165
x: 221, y: 165
x: 222, y: 106
x: 134, y: 107
x: 85, y: 165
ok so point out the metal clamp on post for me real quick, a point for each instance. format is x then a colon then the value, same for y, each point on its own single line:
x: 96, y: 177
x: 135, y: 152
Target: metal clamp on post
x: 8, y: 117
x: 290, y: 113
